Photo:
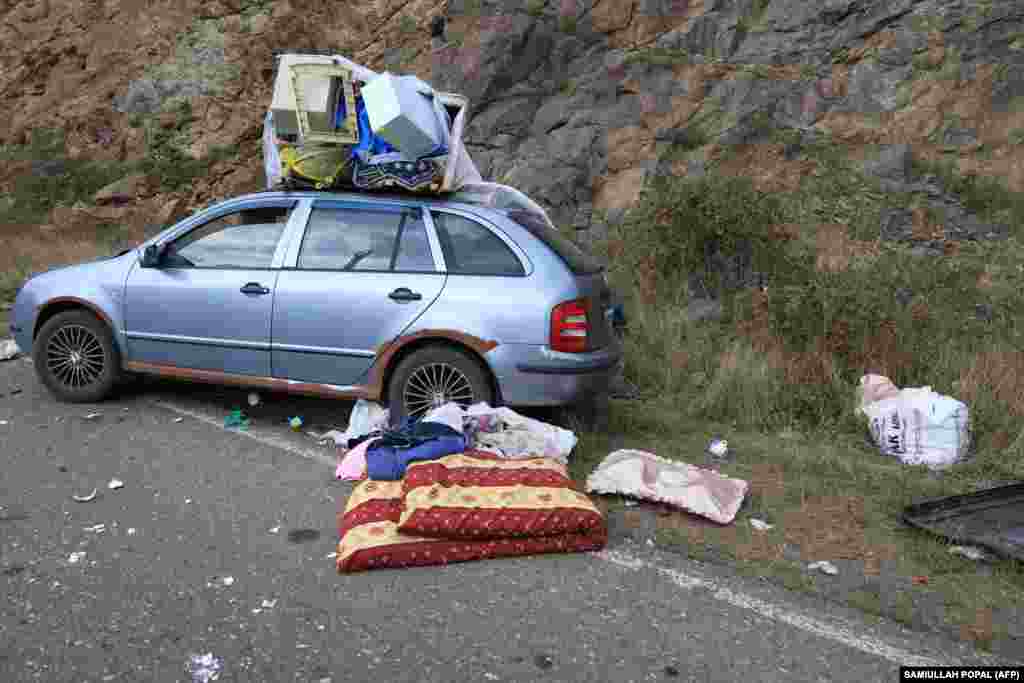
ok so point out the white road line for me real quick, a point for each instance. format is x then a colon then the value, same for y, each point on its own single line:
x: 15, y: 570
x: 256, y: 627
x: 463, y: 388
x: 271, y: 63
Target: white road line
x: 836, y: 630
x: 266, y: 439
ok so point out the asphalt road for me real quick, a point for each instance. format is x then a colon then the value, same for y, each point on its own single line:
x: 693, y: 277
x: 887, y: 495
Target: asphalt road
x: 201, y: 504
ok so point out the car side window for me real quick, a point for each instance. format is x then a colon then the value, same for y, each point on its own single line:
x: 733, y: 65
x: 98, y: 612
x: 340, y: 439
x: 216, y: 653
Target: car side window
x: 366, y: 240
x: 243, y: 239
x: 472, y: 249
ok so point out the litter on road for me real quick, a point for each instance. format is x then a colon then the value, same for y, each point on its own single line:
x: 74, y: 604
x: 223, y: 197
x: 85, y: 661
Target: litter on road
x: 205, y: 668
x: 649, y: 477
x: 236, y: 420
x: 93, y: 416
x: 97, y: 528
x: 824, y: 566
x: 87, y: 498
x: 179, y: 420
x: 274, y: 530
x: 76, y: 557
x: 9, y: 350
x: 115, y: 484
x: 761, y: 525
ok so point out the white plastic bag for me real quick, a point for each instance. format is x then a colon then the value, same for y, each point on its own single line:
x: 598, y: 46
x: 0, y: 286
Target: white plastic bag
x: 920, y: 427
x: 366, y: 417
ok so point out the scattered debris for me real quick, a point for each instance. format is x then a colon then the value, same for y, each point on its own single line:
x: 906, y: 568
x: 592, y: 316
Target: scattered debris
x: 254, y: 399
x: 86, y: 499
x: 188, y: 501
x: 824, y: 566
x: 761, y: 525
x: 115, y: 484
x: 205, y: 668
x: 919, y: 580
x: 93, y: 416
x: 97, y: 528
x: 303, y: 535
x: 179, y: 420
x: 236, y: 420
x: 295, y: 423
x: 228, y: 580
x: 9, y: 350
x: 268, y: 604
x: 75, y: 558
x: 970, y: 552
x: 275, y: 529
x: 718, y: 447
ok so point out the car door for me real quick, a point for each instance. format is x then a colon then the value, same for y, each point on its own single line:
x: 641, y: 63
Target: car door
x: 360, y: 276
x: 208, y: 305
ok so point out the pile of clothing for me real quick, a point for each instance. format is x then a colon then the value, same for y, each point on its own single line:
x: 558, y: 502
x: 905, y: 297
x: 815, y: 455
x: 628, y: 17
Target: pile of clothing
x: 383, y: 454
x: 462, y: 484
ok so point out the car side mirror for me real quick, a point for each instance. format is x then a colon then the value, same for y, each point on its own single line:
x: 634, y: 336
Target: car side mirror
x: 152, y: 256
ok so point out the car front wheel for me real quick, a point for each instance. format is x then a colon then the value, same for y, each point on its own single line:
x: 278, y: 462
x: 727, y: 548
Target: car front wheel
x: 435, y: 375
x: 75, y: 357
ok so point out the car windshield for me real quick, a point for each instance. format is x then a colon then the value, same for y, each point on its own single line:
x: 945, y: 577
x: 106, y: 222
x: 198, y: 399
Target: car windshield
x: 531, y: 216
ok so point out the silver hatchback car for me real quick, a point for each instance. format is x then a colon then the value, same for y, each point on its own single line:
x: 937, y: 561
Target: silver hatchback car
x: 406, y: 300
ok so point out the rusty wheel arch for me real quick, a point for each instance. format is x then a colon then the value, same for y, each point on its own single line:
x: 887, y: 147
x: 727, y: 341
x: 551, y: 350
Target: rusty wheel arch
x: 70, y: 303
x: 394, y: 353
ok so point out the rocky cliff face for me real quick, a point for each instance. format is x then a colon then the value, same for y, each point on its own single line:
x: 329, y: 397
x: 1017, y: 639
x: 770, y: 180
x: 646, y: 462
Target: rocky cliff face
x: 575, y: 101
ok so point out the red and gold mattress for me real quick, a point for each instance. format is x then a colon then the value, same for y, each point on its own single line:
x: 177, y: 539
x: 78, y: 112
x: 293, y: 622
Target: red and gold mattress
x: 465, y: 507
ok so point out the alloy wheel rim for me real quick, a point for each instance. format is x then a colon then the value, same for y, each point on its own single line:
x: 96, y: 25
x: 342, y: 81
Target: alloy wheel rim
x: 74, y: 356
x: 433, y: 385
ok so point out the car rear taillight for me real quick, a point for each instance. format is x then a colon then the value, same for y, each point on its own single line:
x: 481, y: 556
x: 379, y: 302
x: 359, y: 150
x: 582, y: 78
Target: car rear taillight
x: 569, y: 326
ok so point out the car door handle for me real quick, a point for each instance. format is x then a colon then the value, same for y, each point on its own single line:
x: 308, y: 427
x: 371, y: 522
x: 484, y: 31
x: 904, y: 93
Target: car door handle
x: 405, y: 294
x: 254, y: 288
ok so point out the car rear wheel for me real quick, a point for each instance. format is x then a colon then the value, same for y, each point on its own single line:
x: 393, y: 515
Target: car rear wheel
x: 75, y: 357
x: 435, y: 375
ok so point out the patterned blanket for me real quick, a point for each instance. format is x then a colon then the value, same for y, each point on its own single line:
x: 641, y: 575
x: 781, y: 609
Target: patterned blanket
x: 465, y: 507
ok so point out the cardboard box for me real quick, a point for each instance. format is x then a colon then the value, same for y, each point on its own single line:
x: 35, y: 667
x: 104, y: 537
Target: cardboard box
x: 404, y: 117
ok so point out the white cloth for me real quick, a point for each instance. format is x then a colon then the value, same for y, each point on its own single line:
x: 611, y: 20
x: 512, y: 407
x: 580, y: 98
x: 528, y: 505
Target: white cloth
x: 648, y: 476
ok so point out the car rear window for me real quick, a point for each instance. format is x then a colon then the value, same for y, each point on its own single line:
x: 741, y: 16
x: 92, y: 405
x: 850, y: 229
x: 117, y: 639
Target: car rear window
x: 578, y: 261
x: 528, y: 214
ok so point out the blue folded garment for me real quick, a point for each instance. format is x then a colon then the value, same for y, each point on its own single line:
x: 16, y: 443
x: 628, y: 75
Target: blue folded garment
x: 388, y: 463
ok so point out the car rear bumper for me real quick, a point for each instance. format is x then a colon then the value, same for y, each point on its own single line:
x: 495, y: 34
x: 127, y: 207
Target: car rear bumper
x: 536, y: 376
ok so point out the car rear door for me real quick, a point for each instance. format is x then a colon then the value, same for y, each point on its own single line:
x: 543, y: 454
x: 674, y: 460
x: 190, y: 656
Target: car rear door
x: 208, y: 305
x: 360, y: 275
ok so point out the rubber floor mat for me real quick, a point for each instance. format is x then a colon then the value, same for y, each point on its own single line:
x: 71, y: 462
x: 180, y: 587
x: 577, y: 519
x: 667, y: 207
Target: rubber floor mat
x: 993, y: 518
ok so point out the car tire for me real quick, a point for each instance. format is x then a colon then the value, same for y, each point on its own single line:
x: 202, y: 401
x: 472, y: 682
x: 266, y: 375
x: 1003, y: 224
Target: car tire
x: 75, y: 357
x: 452, y: 373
